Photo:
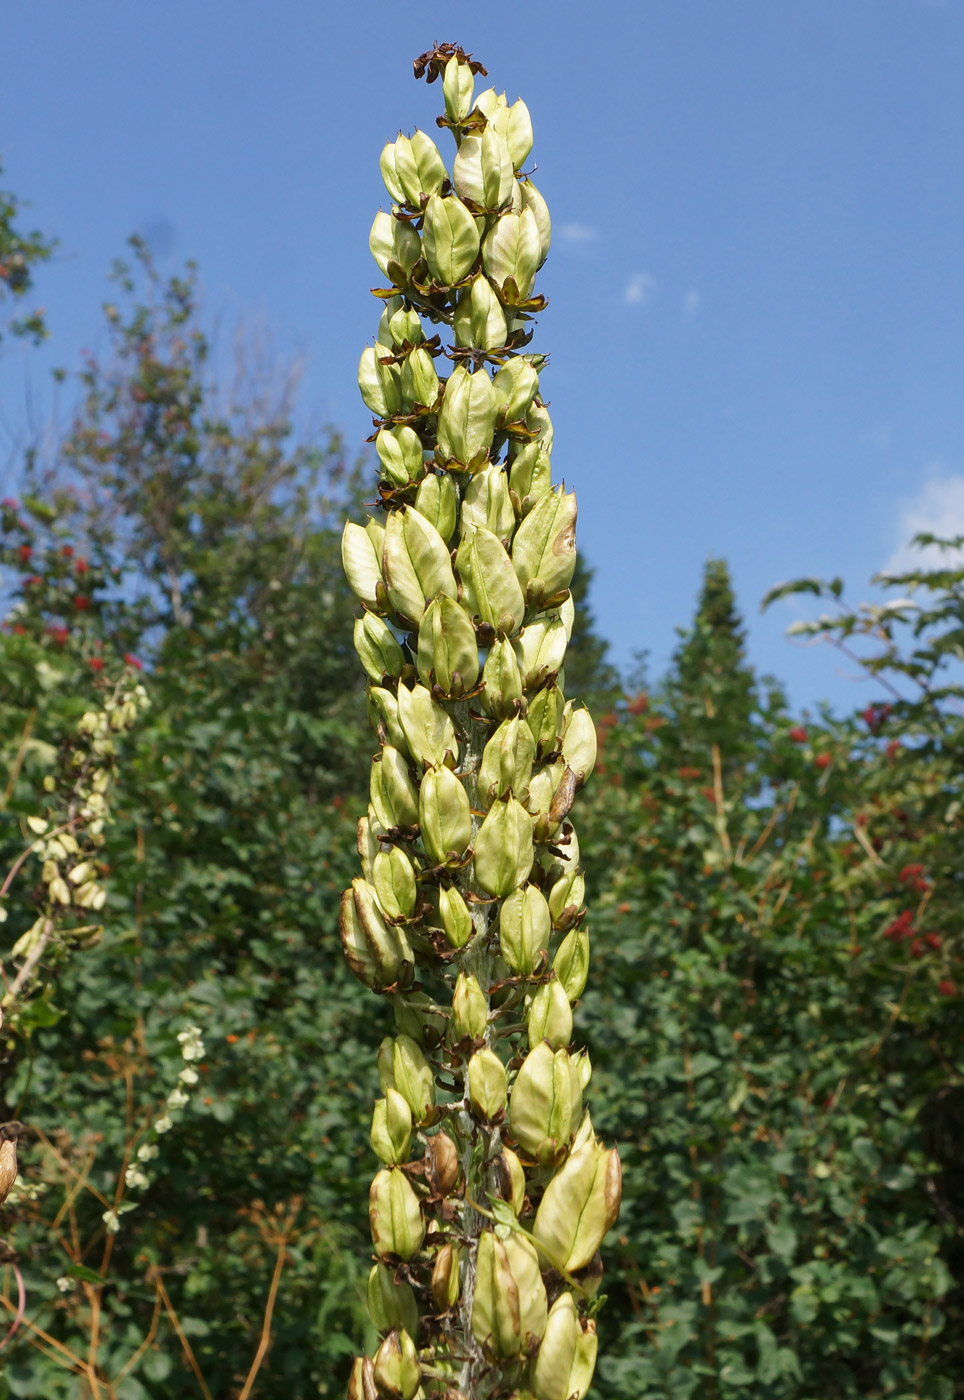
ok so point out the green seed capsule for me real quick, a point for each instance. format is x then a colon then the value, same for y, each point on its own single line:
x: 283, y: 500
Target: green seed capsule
x: 444, y: 816
x: 581, y: 1203
x: 397, y: 1372
x: 396, y: 1220
x: 391, y: 1132
x: 470, y: 1010
x: 450, y: 239
x: 524, y: 928
x: 448, y: 653
x: 487, y: 1086
x: 503, y: 848
x: 509, y: 1310
x: 563, y: 1368
x: 391, y: 1304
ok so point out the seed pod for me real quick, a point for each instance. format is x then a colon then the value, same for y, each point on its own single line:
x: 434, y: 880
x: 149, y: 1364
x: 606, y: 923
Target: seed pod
x: 445, y: 1278
x: 545, y: 1106
x: 479, y: 318
x: 366, y: 844
x: 571, y: 963
x: 393, y: 795
x: 396, y: 1220
x: 509, y: 1310
x: 502, y: 680
x: 418, y: 1016
x: 391, y: 1132
x: 418, y: 381
x: 541, y: 649
x: 444, y: 816
x: 378, y: 955
x: 441, y: 1164
x: 400, y: 455
x: 515, y: 385
x: 466, y: 419
x: 396, y: 1369
x: 415, y: 564
x: 482, y: 172
x: 566, y: 899
x: 450, y: 239
x: 506, y: 761
x: 550, y: 1016
x: 456, y: 919
x: 399, y: 325
x: 544, y: 548
x: 564, y: 1366
x: 438, y: 502
x: 412, y: 168
x: 361, y: 1384
x: 510, y: 1179
x: 489, y: 584
x: 544, y: 718
x: 393, y: 241
x: 470, y: 1009
x: 391, y: 1304
x: 413, y: 1078
x: 379, y: 385
x: 377, y: 648
x: 383, y: 718
x: 457, y: 87
x: 448, y: 653
x: 428, y: 729
x: 503, y: 848
x: 362, y: 564
x: 532, y: 199
x: 579, y: 744
x: 487, y: 503
x: 487, y: 1086
x: 513, y: 123
x: 580, y: 1204
x: 511, y: 252
x: 530, y: 476
x: 393, y: 877
x: 524, y: 928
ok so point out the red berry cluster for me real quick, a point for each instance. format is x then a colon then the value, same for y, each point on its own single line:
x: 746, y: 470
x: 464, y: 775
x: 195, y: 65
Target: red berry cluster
x: 912, y: 877
x: 875, y: 717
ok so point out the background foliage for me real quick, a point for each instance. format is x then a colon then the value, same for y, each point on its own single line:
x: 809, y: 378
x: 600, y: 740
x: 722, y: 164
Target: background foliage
x: 775, y: 1022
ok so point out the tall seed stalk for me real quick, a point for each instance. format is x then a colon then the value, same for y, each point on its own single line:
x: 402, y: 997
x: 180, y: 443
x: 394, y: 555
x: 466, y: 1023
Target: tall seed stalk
x: 469, y: 914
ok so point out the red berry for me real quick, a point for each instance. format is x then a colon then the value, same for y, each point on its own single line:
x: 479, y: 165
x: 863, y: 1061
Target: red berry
x: 798, y: 734
x: 133, y: 661
x: 81, y: 566
x: 823, y: 760
x: 96, y: 664
x: 908, y: 872
x: 82, y: 603
x: 917, y: 949
x: 933, y: 940
x: 947, y: 988
x: 24, y: 552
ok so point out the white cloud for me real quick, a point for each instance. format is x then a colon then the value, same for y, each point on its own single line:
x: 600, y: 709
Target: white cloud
x: 640, y: 289
x: 577, y: 235
x: 691, y: 302
x: 937, y: 509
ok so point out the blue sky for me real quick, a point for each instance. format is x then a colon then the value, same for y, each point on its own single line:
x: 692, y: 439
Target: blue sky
x: 757, y: 277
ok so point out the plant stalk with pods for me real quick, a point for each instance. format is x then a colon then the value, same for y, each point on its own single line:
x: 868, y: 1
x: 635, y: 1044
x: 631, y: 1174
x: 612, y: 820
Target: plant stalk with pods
x: 468, y: 918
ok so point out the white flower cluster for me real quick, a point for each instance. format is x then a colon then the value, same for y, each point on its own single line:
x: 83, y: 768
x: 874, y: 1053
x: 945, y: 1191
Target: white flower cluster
x: 135, y: 1177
